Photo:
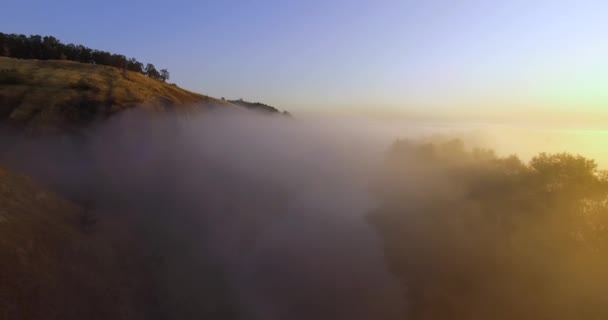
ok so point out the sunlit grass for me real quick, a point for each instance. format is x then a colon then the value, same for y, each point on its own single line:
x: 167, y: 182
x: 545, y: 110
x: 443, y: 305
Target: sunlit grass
x: 48, y: 92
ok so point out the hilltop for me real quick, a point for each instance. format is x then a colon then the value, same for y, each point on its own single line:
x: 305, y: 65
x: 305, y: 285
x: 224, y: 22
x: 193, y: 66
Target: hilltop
x: 58, y: 95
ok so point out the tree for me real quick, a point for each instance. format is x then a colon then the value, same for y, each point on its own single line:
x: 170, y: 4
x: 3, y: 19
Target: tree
x: 151, y: 71
x: 164, y: 75
x: 135, y: 66
x: 460, y: 226
x: 51, y: 48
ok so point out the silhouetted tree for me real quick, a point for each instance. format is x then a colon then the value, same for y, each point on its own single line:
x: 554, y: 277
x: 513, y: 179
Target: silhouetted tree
x: 151, y: 71
x: 164, y: 75
x: 135, y: 66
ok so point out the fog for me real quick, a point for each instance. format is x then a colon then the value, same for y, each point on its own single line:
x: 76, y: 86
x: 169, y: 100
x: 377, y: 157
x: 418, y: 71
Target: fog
x: 254, y: 217
x: 251, y: 216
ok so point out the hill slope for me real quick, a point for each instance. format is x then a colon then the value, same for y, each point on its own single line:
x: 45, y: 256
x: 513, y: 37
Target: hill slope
x: 56, y: 95
x: 55, y: 265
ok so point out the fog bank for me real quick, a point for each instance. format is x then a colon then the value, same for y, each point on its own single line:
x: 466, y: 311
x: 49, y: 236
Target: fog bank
x: 252, y: 217
x: 247, y: 216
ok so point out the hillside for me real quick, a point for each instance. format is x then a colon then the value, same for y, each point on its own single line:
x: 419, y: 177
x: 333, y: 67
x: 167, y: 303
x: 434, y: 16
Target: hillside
x: 54, y: 95
x: 58, y: 263
x: 58, y: 259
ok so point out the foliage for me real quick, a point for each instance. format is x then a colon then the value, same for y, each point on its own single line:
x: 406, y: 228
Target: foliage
x: 164, y: 75
x: 49, y: 48
x: 254, y: 105
x: 151, y: 71
x: 475, y: 236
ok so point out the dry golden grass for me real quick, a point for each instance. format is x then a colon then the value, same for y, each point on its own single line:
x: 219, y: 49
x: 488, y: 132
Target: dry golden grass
x: 51, y: 269
x: 60, y: 94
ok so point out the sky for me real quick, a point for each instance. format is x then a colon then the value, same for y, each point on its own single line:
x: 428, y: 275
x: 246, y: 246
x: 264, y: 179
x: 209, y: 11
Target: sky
x: 454, y: 58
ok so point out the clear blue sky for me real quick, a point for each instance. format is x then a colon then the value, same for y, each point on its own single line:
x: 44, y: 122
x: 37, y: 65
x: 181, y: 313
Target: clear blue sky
x: 436, y: 56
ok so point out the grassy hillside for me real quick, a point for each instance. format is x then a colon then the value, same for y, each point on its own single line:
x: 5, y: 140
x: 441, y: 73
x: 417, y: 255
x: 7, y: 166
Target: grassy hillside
x: 55, y: 263
x: 56, y: 95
